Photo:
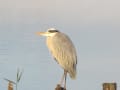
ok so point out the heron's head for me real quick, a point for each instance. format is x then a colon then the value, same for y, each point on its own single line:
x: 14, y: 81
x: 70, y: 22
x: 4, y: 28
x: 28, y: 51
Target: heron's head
x: 50, y: 32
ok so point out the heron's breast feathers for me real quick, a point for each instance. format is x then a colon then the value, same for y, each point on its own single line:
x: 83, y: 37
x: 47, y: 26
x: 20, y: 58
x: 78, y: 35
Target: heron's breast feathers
x: 63, y: 51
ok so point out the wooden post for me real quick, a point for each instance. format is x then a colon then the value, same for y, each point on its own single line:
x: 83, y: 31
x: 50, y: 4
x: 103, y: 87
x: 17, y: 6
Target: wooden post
x: 10, y: 86
x: 109, y: 86
x: 59, y: 88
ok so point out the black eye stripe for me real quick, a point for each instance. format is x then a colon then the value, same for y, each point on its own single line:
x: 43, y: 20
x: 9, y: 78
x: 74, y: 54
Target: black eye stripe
x: 52, y: 31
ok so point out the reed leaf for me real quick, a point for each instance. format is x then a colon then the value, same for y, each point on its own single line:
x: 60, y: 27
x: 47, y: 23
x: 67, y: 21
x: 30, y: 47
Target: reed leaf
x: 9, y: 81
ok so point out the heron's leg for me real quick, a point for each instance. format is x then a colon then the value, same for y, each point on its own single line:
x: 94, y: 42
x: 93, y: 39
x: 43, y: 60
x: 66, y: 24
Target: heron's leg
x: 65, y: 73
x: 63, y: 76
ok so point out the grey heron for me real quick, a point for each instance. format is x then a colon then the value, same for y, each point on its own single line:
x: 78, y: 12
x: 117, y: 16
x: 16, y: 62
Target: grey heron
x: 63, y: 51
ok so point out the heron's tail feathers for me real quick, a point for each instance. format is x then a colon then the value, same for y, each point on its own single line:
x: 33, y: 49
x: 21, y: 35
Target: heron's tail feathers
x: 72, y: 74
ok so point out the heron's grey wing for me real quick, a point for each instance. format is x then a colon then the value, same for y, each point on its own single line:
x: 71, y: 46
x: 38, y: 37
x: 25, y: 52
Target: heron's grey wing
x: 63, y: 50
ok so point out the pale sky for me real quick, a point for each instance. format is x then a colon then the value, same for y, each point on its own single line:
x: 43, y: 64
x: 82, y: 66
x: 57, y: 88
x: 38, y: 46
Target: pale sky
x: 93, y: 26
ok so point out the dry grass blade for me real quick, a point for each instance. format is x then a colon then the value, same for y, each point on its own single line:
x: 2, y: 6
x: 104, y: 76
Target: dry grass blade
x: 9, y: 81
x: 19, y: 76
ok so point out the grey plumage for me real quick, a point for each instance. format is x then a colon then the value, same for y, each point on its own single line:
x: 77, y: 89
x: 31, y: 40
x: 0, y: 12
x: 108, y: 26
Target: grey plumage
x: 64, y: 52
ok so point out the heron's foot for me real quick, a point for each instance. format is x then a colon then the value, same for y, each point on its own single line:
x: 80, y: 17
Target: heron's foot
x: 59, y: 87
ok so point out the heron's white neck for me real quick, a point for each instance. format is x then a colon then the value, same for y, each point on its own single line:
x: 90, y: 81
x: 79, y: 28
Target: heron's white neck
x: 50, y: 34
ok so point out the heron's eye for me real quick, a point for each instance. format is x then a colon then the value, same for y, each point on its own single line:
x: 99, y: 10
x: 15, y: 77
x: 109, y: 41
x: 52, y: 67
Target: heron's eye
x: 53, y: 31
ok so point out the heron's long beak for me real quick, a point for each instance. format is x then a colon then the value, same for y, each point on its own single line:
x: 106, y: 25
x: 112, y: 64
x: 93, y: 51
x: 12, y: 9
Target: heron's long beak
x: 42, y: 33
